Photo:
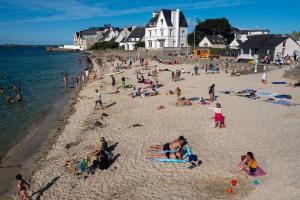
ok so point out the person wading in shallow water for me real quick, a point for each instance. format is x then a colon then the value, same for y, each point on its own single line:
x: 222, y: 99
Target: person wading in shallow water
x: 22, y: 187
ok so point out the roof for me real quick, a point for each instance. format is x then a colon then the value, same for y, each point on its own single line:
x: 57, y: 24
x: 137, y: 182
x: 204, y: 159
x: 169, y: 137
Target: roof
x: 215, y: 39
x: 246, y: 31
x: 106, y: 34
x: 138, y: 32
x: 263, y: 41
x: 168, y: 17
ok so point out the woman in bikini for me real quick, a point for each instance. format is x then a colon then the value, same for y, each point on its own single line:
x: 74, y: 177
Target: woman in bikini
x: 22, y: 187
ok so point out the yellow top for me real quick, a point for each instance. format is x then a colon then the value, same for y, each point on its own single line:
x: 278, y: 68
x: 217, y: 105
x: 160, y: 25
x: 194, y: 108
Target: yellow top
x: 253, y: 164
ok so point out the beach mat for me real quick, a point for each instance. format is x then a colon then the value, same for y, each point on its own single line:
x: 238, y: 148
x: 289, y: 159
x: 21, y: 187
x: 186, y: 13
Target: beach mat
x: 282, y: 102
x: 259, y: 172
x: 279, y: 82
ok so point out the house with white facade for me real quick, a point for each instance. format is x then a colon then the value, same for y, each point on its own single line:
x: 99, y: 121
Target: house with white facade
x: 123, y: 35
x: 88, y: 37
x: 273, y: 46
x: 136, y: 35
x: 211, y: 41
x: 235, y: 44
x: 166, y: 28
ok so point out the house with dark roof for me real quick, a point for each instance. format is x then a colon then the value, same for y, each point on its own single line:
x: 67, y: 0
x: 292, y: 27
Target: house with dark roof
x: 235, y: 44
x: 213, y: 41
x: 165, y: 29
x: 136, y: 35
x: 273, y: 46
x: 242, y: 34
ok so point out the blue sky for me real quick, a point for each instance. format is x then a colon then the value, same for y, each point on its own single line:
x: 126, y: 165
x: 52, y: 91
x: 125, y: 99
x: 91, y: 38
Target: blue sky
x: 55, y: 21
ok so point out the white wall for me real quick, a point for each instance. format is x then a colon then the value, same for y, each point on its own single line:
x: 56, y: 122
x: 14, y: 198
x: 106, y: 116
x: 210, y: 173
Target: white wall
x: 290, y: 47
x: 234, y: 44
x: 205, y: 43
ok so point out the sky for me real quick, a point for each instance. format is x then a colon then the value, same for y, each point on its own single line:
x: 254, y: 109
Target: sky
x: 55, y: 21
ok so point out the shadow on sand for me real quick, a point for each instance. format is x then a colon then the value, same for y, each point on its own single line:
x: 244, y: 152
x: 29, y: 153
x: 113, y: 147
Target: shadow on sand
x: 42, y: 190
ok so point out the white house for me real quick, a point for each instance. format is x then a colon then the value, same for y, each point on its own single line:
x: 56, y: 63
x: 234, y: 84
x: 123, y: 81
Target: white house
x: 269, y: 45
x: 123, y: 35
x: 137, y: 35
x: 235, y: 44
x: 88, y: 37
x: 210, y: 41
x: 166, y: 28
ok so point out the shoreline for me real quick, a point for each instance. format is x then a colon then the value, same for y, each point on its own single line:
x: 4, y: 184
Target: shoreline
x: 132, y: 176
x: 25, y: 157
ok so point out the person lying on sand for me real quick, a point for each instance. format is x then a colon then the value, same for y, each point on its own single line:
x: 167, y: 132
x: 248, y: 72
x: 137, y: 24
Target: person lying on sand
x: 178, y: 143
x: 168, y: 155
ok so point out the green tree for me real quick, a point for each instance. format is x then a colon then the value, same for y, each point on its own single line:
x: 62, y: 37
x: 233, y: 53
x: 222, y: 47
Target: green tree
x: 105, y: 45
x: 218, y: 26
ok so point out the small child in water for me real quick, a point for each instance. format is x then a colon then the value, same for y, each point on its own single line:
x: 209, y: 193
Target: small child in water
x: 219, y: 120
x: 22, y: 187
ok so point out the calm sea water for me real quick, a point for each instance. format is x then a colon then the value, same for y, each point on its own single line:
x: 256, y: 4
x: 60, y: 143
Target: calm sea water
x: 40, y: 76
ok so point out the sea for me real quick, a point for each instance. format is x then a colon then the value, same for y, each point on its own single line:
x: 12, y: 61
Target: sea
x: 39, y: 75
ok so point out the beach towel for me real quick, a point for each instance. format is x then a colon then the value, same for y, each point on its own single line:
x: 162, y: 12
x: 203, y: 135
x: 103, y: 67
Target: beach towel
x: 279, y: 82
x: 259, y: 172
x: 264, y: 94
x: 281, y: 102
x: 282, y: 96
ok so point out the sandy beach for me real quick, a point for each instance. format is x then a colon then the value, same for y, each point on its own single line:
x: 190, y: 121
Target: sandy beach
x: 270, y: 131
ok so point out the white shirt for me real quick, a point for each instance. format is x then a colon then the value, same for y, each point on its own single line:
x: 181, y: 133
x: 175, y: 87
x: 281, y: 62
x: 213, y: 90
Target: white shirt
x: 98, y: 98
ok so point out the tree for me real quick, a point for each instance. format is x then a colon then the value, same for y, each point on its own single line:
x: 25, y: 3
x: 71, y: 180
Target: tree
x: 105, y: 45
x: 218, y: 26
x: 140, y: 44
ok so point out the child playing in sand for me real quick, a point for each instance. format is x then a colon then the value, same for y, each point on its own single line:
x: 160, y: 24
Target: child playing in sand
x: 22, y: 187
x: 219, y: 121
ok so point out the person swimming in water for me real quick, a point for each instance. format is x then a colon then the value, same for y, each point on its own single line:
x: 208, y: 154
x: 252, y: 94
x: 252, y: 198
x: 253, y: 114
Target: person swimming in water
x: 9, y: 99
x: 19, y: 98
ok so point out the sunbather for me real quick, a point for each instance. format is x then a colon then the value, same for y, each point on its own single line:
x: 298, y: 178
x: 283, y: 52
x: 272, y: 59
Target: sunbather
x: 178, y: 143
x: 168, y: 155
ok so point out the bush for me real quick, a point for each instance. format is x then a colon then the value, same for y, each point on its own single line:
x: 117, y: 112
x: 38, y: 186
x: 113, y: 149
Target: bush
x: 105, y: 45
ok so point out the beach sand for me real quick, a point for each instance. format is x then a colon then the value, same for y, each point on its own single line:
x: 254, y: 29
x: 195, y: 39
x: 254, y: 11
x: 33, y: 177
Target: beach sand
x: 270, y: 131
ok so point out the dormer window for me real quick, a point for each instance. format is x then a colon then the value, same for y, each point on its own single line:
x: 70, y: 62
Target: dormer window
x: 162, y: 21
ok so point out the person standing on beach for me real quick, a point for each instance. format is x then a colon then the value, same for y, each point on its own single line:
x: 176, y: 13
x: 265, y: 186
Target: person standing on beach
x: 113, y: 81
x: 178, y: 93
x: 98, y: 99
x: 76, y: 82
x: 211, y: 92
x: 22, y: 187
x: 264, y: 78
x: 95, y: 75
x: 66, y: 79
x: 86, y: 74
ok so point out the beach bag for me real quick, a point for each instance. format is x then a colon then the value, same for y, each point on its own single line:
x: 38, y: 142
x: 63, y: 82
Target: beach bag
x: 81, y: 166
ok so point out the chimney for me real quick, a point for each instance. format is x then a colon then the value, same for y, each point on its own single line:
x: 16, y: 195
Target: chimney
x: 177, y: 27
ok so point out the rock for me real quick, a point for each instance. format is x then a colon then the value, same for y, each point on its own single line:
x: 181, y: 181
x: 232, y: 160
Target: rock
x: 98, y: 124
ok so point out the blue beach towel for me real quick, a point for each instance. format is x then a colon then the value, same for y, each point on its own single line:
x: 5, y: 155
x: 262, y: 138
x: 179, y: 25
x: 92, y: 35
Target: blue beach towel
x: 279, y: 82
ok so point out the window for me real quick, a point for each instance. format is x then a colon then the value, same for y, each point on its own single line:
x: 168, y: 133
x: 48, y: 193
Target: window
x: 171, y: 32
x: 161, y: 32
x: 268, y: 51
x: 284, y: 43
x: 174, y: 43
x: 182, y: 33
x: 206, y: 44
x: 181, y: 45
x: 150, y: 33
x: 162, y: 21
x: 150, y: 43
x: 161, y: 43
